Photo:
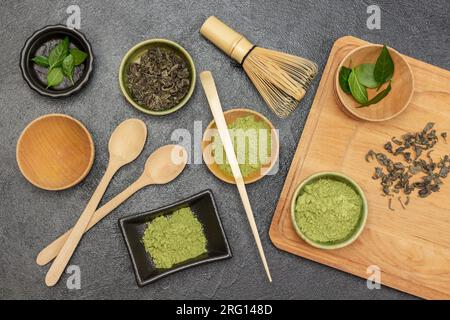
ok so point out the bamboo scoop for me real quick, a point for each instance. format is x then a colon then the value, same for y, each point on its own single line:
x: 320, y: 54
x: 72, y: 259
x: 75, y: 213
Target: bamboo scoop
x: 163, y: 166
x: 281, y: 79
x: 125, y: 145
x: 213, y: 99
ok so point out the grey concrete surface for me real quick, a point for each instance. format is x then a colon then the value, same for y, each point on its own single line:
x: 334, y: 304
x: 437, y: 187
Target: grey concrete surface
x: 30, y: 217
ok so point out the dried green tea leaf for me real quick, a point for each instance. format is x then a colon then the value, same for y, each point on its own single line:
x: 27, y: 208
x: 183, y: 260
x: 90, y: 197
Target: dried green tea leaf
x: 397, y: 177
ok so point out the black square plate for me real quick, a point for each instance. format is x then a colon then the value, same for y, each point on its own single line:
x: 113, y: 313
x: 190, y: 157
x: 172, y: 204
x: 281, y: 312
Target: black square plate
x: 205, y: 209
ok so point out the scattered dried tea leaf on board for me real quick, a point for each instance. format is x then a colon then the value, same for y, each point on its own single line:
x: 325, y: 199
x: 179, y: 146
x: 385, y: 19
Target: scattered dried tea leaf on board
x: 416, y: 149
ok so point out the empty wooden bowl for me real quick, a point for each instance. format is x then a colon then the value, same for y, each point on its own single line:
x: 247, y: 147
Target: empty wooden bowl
x: 395, y: 102
x: 231, y: 116
x: 55, y: 152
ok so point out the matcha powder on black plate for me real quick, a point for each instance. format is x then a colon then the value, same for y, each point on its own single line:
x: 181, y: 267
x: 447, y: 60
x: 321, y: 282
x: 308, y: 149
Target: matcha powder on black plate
x: 174, y: 238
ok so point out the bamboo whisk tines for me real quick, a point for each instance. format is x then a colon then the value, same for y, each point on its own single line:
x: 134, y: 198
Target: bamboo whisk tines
x: 281, y: 79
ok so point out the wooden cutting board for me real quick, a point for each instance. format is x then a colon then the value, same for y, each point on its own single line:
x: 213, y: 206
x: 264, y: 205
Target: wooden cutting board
x: 411, y: 247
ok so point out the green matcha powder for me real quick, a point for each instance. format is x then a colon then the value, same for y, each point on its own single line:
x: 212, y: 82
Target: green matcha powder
x: 253, y: 132
x: 328, y: 211
x: 174, y: 238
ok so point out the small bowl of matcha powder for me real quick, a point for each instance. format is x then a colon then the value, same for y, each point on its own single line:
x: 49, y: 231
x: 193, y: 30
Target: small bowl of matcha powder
x: 329, y: 210
x: 255, y: 143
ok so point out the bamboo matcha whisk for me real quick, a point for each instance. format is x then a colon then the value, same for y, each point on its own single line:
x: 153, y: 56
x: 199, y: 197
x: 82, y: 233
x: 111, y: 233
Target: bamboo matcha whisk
x: 281, y: 79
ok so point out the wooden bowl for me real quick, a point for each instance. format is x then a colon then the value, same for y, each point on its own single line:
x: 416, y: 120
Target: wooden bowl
x: 230, y: 116
x: 395, y: 102
x: 55, y: 152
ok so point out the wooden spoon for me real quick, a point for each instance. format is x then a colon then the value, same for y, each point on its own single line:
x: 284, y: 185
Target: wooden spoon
x: 125, y: 145
x: 214, y: 103
x: 163, y: 166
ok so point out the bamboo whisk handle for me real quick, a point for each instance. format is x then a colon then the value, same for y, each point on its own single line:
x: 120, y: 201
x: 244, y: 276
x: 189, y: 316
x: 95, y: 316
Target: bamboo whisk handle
x: 234, y: 44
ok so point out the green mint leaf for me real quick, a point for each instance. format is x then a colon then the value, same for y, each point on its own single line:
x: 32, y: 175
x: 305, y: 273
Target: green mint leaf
x: 68, y: 67
x: 359, y: 92
x: 364, y: 73
x: 58, y: 53
x: 54, y: 77
x: 384, y: 68
x: 344, y: 73
x: 378, y: 97
x: 41, y: 61
x: 78, y: 56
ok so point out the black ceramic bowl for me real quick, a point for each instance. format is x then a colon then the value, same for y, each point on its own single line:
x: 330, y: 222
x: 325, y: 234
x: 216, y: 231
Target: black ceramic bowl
x: 40, y: 43
x: 204, y: 208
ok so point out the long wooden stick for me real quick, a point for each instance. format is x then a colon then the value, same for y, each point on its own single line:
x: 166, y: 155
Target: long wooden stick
x: 216, y: 109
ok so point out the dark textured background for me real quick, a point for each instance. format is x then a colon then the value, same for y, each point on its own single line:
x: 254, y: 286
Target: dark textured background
x: 30, y: 217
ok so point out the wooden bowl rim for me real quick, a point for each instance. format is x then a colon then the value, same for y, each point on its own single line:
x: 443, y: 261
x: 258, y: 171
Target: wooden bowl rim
x: 91, y: 156
x: 339, y: 91
x: 252, y: 179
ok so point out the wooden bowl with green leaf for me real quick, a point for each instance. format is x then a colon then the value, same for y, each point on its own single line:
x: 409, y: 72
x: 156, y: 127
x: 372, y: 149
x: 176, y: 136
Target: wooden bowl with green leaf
x: 374, y: 83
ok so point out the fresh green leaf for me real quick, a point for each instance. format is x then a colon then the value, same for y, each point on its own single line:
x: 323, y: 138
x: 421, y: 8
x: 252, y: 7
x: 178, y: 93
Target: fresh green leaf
x: 384, y: 68
x: 68, y: 67
x: 344, y: 73
x: 78, y: 56
x: 58, y: 53
x: 54, y: 77
x: 359, y: 92
x: 41, y: 61
x: 364, y: 73
x: 378, y: 97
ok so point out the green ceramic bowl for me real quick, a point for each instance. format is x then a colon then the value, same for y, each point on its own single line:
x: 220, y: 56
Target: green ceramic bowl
x: 363, y: 216
x: 135, y: 53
